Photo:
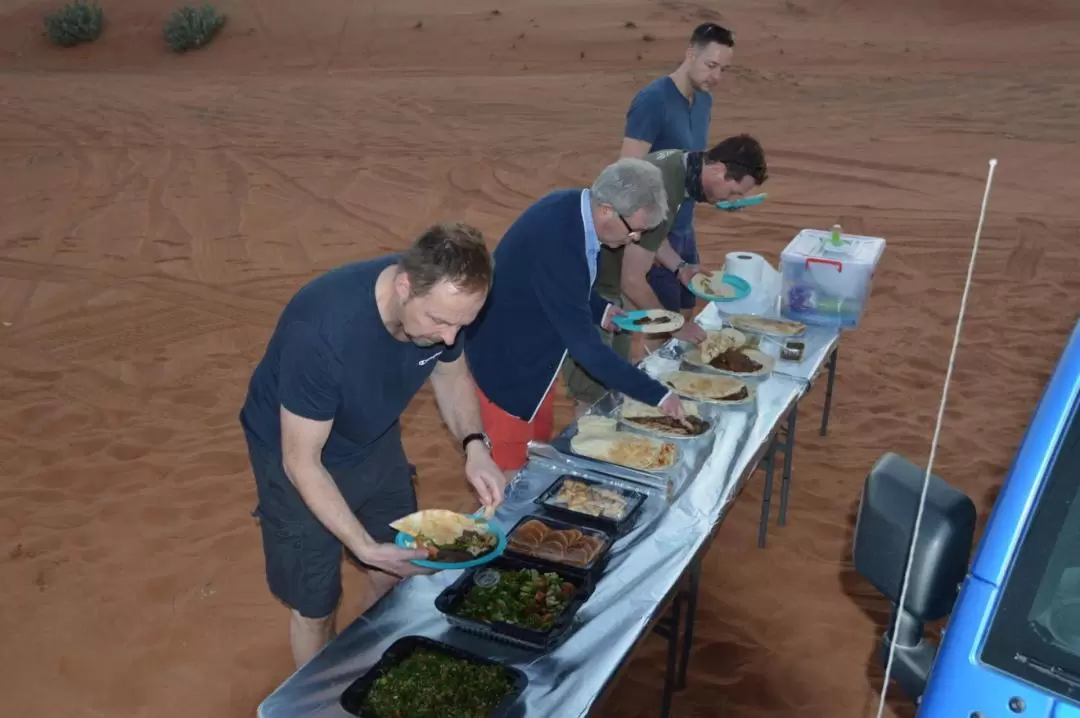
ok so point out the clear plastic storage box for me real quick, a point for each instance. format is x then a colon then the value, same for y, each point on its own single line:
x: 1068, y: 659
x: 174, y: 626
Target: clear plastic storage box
x: 828, y: 282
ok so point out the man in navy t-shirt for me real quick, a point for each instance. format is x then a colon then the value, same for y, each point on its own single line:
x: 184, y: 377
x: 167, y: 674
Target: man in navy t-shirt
x: 321, y: 417
x: 673, y: 113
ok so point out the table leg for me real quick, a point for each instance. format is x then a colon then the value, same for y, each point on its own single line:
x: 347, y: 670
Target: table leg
x: 691, y: 615
x: 828, y: 392
x: 789, y: 449
x: 672, y: 656
x: 766, y: 499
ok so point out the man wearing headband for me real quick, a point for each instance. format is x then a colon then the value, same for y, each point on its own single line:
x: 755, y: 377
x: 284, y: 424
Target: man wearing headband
x: 729, y: 170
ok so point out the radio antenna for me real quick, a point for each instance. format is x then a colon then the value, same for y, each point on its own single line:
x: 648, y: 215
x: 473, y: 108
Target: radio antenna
x: 937, y: 432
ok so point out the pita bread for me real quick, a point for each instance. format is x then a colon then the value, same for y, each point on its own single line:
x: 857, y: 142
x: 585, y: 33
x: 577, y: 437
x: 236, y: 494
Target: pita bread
x: 767, y: 362
x: 764, y: 325
x: 712, y: 285
x: 632, y: 451
x: 718, y: 342
x: 440, y: 525
x: 707, y: 387
x: 663, y: 322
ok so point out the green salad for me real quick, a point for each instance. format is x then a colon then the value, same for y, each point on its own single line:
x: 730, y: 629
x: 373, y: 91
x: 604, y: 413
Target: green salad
x: 525, y: 597
x: 432, y: 684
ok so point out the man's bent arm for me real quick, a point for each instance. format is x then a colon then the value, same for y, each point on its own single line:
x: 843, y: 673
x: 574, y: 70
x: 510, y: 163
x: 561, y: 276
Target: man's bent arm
x: 455, y: 395
x: 302, y: 441
x: 635, y: 285
x: 636, y: 149
x: 667, y: 257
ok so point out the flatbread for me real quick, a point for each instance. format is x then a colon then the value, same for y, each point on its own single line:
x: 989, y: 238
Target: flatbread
x: 708, y: 387
x: 767, y: 362
x: 442, y: 526
x: 718, y: 342
x: 712, y: 285
x: 767, y: 326
x: 635, y: 452
x: 663, y: 322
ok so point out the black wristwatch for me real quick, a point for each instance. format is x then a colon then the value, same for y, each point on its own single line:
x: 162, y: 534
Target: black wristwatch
x: 474, y: 437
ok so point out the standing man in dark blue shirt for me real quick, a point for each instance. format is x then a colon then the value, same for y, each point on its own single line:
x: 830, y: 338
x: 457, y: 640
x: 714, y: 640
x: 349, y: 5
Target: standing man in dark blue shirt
x: 321, y: 418
x: 673, y: 113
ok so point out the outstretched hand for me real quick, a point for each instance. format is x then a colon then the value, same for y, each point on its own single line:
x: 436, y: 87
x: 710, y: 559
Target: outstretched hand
x: 484, y: 475
x: 393, y: 559
x: 613, y: 311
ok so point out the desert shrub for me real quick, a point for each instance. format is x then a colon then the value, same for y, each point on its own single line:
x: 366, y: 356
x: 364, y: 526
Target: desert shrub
x: 74, y: 24
x: 190, y: 27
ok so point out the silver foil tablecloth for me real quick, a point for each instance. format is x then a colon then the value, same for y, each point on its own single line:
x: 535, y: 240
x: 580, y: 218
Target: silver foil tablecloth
x: 644, y: 567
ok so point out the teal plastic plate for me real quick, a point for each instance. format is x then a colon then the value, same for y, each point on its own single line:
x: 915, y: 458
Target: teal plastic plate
x: 740, y: 285
x: 626, y: 323
x: 742, y: 202
x: 403, y: 540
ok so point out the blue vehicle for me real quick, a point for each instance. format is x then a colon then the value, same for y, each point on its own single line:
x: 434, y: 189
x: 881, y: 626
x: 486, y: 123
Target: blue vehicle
x: 1011, y: 646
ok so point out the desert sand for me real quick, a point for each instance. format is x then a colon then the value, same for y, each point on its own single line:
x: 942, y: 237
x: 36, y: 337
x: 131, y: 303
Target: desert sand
x: 158, y: 210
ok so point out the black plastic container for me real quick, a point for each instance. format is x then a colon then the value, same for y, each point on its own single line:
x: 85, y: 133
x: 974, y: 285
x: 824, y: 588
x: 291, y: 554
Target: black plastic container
x: 453, y: 595
x: 616, y: 527
x: 591, y: 570
x: 352, y: 700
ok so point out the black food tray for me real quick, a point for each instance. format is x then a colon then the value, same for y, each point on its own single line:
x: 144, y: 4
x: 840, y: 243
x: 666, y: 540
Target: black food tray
x: 453, y: 595
x: 352, y: 700
x: 635, y: 500
x: 592, y: 569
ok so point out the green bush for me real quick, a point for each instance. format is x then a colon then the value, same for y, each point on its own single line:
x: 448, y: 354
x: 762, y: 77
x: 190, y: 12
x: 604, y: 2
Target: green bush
x: 189, y: 27
x: 74, y: 24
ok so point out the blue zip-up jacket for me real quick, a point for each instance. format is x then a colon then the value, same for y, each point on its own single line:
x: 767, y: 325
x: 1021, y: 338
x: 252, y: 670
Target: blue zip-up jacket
x: 542, y: 304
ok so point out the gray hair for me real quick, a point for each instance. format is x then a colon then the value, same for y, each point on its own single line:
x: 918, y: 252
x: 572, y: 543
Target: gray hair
x: 630, y: 185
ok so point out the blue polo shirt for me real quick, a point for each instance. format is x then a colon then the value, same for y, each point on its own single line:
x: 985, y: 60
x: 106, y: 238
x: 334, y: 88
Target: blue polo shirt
x: 331, y: 357
x: 661, y: 115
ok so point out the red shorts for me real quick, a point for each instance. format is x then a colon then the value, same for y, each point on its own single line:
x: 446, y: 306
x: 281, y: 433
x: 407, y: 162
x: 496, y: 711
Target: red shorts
x: 510, y: 435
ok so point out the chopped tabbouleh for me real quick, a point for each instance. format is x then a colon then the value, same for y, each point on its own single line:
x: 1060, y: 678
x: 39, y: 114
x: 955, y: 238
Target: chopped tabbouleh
x: 431, y: 684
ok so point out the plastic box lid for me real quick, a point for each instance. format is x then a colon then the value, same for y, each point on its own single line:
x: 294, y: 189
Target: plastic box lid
x: 816, y: 243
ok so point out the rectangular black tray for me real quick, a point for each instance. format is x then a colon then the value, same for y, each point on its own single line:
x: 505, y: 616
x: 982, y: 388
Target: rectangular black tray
x: 635, y: 500
x: 452, y: 596
x: 592, y: 570
x: 352, y: 700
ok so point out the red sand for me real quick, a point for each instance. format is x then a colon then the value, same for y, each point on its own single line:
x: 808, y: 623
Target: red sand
x: 159, y: 210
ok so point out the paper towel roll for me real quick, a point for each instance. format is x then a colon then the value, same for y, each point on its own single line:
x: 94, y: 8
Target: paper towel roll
x: 745, y: 265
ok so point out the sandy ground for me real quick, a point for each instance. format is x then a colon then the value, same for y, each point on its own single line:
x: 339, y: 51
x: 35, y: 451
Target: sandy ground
x: 157, y: 211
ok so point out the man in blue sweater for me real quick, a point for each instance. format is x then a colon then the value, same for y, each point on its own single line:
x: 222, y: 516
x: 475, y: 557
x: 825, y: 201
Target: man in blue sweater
x: 543, y: 305
x: 673, y: 112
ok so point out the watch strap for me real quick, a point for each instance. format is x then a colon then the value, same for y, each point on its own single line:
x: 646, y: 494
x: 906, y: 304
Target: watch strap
x: 479, y: 436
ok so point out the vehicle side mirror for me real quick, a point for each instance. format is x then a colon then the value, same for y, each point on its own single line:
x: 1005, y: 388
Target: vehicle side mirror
x: 883, y: 534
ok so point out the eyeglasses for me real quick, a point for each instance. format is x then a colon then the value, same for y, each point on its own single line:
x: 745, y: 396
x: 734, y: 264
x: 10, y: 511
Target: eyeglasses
x: 630, y: 231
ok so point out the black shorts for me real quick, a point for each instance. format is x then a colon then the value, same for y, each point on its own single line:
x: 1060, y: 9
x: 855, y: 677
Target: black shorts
x: 303, y: 559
